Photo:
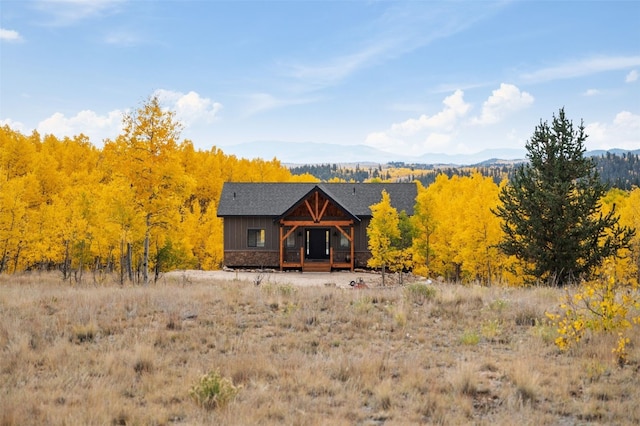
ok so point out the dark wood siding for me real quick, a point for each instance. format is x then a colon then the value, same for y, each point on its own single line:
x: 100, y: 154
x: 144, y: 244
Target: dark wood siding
x: 362, y: 243
x: 236, y: 228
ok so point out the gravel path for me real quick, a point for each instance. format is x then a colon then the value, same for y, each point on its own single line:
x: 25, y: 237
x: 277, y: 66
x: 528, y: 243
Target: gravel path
x: 338, y: 279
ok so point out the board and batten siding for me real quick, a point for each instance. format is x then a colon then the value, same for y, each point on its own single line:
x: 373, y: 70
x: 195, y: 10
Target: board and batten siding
x: 236, y: 228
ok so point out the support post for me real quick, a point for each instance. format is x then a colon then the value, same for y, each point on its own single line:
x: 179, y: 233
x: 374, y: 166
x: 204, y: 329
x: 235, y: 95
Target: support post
x: 352, y: 247
x: 281, y: 250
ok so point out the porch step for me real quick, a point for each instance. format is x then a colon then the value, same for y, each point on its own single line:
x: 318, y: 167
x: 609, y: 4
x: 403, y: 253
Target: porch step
x: 316, y: 267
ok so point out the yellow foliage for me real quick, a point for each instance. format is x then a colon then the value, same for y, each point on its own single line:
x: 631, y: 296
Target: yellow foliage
x: 66, y: 202
x: 456, y: 229
x: 605, y: 305
x: 382, y: 230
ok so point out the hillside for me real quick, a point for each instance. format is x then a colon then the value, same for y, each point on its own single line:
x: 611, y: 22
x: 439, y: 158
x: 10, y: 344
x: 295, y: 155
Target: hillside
x: 617, y: 168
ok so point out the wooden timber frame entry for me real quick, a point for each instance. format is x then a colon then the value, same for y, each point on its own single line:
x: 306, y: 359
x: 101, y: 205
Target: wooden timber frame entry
x: 316, y: 213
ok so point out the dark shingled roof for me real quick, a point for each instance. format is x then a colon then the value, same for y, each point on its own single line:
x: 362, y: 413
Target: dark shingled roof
x: 274, y: 199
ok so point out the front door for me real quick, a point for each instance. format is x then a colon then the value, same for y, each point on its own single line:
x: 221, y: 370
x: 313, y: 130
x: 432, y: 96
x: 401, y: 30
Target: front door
x: 317, y: 243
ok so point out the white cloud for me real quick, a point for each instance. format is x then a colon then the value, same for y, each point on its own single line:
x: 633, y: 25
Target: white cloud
x: 9, y: 35
x: 504, y: 100
x: 336, y: 69
x: 623, y: 132
x: 417, y: 136
x: 591, y: 92
x: 190, y: 108
x: 15, y: 125
x: 455, y: 107
x: 96, y: 127
x: 68, y: 12
x: 582, y: 67
x: 402, y: 28
x: 631, y: 77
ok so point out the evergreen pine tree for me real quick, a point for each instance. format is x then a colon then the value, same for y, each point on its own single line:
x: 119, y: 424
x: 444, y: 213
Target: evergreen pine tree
x: 551, y: 208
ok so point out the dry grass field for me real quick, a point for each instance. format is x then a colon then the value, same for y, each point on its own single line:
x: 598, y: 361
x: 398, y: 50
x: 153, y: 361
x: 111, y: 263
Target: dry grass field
x: 412, y: 354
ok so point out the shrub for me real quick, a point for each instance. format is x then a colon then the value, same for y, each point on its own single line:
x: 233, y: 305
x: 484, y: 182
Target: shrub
x: 470, y: 338
x: 605, y: 305
x: 213, y: 391
x: 419, y: 293
x: 491, y: 329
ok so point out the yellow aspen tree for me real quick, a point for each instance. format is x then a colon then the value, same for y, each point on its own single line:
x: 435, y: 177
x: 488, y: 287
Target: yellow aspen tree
x: 148, y: 159
x: 17, y: 154
x: 424, y: 225
x: 456, y: 216
x: 381, y: 232
x: 51, y: 180
x: 42, y: 243
x: 630, y: 215
x: 124, y: 225
x: 76, y: 229
x: 445, y: 215
x: 403, y: 260
x: 212, y: 244
x: 208, y: 169
x: 479, y: 230
x: 627, y: 205
x: 13, y: 222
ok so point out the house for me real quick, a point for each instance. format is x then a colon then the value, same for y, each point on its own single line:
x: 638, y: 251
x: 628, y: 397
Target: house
x: 307, y: 226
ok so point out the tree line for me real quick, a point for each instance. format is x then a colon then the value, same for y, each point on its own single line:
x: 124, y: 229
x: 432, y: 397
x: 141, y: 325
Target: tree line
x: 146, y: 202
x: 335, y: 172
x: 617, y: 170
x: 553, y: 222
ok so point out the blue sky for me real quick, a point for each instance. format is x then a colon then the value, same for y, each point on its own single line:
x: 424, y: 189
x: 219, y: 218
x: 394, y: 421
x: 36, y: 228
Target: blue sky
x: 411, y: 77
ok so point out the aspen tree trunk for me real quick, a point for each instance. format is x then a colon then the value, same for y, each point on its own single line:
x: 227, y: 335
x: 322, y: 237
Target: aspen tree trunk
x: 145, y: 260
x: 122, y: 262
x: 81, y: 261
x: 3, y: 259
x: 156, y: 268
x: 129, y: 262
x: 66, y: 273
x: 16, y: 258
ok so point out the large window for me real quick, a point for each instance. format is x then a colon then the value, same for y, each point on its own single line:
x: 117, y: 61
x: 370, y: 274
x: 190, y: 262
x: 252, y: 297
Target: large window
x: 255, y: 238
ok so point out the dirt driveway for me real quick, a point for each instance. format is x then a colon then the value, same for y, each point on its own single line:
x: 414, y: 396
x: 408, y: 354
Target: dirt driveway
x: 338, y: 279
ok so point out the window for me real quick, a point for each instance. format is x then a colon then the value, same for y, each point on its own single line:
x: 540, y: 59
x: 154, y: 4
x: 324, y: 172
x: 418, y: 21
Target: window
x: 291, y: 240
x: 344, y: 241
x: 255, y: 238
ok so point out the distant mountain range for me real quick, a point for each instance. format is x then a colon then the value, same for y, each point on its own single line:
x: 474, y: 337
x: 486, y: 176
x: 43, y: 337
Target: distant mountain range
x: 294, y: 153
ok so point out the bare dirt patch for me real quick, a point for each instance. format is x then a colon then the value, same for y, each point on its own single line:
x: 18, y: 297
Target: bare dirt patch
x: 340, y: 279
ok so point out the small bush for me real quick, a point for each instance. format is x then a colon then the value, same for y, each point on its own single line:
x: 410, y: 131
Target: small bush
x: 419, y: 293
x: 603, y: 306
x: 470, y: 338
x: 286, y: 290
x: 213, y: 391
x: 491, y: 329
